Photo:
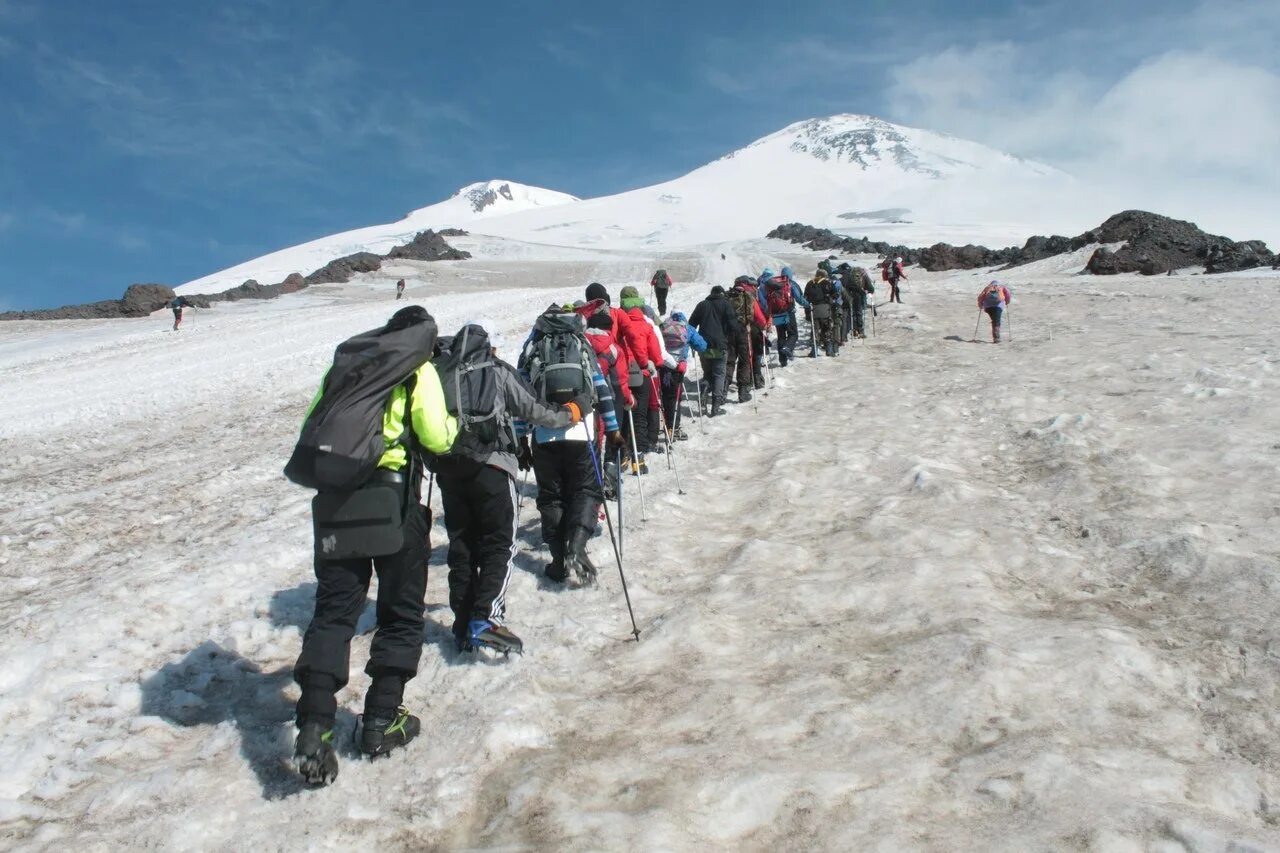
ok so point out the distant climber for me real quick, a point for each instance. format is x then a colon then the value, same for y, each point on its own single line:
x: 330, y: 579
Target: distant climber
x: 993, y: 299
x: 892, y: 272
x: 399, y: 288
x: 176, y: 305
x: 661, y: 283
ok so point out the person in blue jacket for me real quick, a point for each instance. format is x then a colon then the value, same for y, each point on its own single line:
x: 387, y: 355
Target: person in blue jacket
x: 679, y: 338
x: 564, y: 466
x: 784, y: 321
x: 841, y: 330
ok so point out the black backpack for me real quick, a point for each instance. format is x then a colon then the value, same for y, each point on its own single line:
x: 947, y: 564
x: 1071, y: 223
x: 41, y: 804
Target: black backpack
x: 342, y: 440
x: 661, y: 279
x: 468, y: 378
x: 560, y: 361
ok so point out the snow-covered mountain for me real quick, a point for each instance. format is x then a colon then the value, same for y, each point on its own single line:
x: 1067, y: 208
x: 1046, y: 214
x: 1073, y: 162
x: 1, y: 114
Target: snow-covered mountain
x: 473, y: 203
x: 849, y: 173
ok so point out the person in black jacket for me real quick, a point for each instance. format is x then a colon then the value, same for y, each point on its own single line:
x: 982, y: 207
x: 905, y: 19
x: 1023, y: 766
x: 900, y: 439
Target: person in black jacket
x: 715, y: 321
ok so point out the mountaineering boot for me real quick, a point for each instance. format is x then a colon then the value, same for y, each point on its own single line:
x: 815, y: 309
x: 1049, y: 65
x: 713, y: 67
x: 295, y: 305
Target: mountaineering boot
x: 679, y: 434
x: 576, y: 558
x: 497, y: 637
x: 555, y: 570
x: 744, y: 396
x: 639, y: 467
x: 381, y: 732
x: 760, y: 383
x: 461, y: 637
x: 313, y: 754
x: 717, y: 409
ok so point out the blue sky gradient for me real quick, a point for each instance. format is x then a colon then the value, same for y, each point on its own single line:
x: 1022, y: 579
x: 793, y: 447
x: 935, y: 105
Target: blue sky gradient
x: 160, y: 141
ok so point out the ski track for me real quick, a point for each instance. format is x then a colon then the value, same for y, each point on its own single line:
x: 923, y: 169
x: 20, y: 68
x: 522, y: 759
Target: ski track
x: 895, y: 608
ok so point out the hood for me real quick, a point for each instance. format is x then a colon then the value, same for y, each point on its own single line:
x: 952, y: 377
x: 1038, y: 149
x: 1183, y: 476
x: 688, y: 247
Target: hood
x: 679, y: 317
x: 786, y: 271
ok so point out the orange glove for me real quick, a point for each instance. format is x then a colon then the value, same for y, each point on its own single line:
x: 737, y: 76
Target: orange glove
x: 575, y: 413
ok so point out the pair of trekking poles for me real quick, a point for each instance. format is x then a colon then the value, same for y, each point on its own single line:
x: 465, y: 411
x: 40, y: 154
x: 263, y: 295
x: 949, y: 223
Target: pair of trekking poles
x: 1006, y: 314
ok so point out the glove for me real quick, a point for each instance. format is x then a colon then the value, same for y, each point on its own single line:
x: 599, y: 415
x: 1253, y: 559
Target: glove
x: 575, y: 413
x: 653, y: 369
x: 682, y: 367
x: 524, y: 459
x: 615, y: 438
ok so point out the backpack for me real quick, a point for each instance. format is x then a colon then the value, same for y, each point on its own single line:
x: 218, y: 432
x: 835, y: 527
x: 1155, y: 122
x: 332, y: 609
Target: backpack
x: 471, y: 396
x: 342, y: 438
x: 741, y: 302
x: 661, y: 280
x: 560, y: 360
x: 993, y: 298
x: 778, y: 295
x: 884, y: 270
x: 675, y: 337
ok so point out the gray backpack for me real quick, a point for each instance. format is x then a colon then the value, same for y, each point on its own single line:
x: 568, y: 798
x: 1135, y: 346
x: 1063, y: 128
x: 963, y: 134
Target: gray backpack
x: 467, y: 375
x: 560, y: 361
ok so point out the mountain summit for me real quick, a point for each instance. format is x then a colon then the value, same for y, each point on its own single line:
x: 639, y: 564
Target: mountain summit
x: 844, y: 172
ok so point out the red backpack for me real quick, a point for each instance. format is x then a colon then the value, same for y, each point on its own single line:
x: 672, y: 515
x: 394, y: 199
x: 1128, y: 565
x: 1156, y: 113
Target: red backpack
x: 778, y: 295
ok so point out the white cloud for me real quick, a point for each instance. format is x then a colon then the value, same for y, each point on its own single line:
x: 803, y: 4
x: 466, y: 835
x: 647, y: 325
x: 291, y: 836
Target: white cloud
x: 1191, y: 133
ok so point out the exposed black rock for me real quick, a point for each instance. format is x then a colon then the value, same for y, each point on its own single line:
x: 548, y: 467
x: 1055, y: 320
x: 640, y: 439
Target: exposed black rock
x: 341, y: 270
x: 427, y: 246
x: 453, y: 232
x: 139, y: 300
x: 1154, y: 244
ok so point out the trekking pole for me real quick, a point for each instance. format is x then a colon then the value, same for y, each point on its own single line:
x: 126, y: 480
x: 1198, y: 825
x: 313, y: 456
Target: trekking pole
x: 635, y: 462
x: 671, y: 445
x: 702, y: 410
x: 976, y: 325
x: 662, y: 416
x: 622, y: 529
x: 520, y: 496
x: 1009, y: 314
x: 617, y: 547
x: 767, y: 364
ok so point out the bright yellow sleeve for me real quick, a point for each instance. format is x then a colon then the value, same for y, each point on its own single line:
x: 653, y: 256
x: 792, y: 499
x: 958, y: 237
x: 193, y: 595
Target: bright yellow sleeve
x: 316, y: 400
x: 435, y: 427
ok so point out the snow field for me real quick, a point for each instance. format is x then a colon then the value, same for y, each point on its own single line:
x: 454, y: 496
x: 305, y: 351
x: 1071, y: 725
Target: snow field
x: 934, y: 595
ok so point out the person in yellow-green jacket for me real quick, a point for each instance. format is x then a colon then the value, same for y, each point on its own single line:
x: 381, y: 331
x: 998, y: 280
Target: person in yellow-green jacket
x: 342, y: 584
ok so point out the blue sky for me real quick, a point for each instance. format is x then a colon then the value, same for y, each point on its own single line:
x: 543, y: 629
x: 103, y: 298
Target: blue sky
x: 160, y: 141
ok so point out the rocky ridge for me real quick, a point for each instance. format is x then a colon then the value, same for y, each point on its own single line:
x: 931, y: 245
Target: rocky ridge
x: 140, y: 300
x: 1153, y: 245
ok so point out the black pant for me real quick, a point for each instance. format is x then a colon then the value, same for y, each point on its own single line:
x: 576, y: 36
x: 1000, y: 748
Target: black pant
x: 342, y: 586
x: 640, y: 414
x: 670, y: 382
x: 713, y: 372
x: 857, y: 307
x: 738, y: 365
x: 480, y: 515
x: 894, y: 295
x: 569, y: 495
x: 661, y: 293
x: 757, y: 355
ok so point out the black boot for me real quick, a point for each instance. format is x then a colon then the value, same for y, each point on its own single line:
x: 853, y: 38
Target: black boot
x: 484, y: 632
x: 313, y: 754
x: 384, y: 731
x: 555, y: 570
x: 576, y: 557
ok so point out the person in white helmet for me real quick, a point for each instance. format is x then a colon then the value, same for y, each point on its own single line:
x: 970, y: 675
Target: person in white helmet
x: 892, y: 272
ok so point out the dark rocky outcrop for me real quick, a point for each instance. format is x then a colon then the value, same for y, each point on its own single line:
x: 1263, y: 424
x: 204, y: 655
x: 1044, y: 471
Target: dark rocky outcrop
x: 139, y: 300
x: 142, y: 299
x: 341, y: 270
x: 427, y: 246
x: 1154, y: 244
x: 453, y: 232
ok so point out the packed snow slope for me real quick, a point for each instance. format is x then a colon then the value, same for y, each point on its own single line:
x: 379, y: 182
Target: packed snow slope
x: 929, y: 595
x: 850, y: 173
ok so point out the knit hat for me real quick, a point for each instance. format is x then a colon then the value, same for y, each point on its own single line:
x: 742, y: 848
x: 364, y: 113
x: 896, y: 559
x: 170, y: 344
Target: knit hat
x: 820, y: 274
x: 768, y: 273
x: 630, y: 298
x: 786, y: 271
x: 717, y: 291
x: 679, y: 317
x: 596, y: 290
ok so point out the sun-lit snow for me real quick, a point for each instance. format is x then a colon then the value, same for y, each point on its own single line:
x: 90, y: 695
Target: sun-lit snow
x: 919, y: 186
x: 931, y: 594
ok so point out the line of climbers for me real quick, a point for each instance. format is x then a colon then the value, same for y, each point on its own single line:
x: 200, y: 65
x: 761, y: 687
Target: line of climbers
x: 595, y: 389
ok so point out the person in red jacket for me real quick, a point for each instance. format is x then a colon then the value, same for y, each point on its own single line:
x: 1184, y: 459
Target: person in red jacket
x: 993, y: 298
x: 644, y: 344
x: 611, y: 356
